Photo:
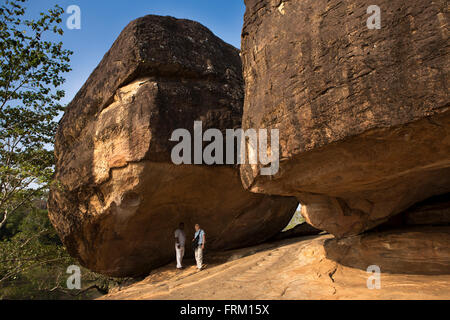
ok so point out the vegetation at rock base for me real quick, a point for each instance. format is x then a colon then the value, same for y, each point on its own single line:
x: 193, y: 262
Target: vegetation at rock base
x: 297, y: 219
x: 33, y: 261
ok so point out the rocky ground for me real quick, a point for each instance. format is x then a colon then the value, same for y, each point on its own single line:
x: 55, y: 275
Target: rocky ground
x: 299, y: 269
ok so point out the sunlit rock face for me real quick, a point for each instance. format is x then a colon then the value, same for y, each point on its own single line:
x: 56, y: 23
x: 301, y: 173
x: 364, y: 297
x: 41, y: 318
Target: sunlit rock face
x: 363, y: 114
x: 118, y: 197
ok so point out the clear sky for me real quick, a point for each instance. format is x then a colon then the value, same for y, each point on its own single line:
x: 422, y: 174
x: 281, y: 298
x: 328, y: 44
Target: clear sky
x: 102, y: 21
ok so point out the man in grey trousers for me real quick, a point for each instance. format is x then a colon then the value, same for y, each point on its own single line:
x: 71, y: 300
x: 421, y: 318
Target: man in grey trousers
x: 199, y: 244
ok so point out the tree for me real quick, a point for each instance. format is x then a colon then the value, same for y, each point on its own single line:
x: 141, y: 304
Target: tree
x: 31, y: 74
x: 33, y: 262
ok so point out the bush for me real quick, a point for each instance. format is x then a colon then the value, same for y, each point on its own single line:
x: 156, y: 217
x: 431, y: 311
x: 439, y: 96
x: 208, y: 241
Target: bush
x: 33, y: 262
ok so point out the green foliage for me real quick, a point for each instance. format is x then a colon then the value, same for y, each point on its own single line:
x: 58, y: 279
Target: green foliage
x: 33, y: 263
x: 31, y: 258
x: 31, y: 71
x: 296, y: 220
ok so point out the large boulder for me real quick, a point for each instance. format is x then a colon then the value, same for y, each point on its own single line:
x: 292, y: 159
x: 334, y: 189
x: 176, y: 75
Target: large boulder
x: 363, y: 114
x: 118, y: 197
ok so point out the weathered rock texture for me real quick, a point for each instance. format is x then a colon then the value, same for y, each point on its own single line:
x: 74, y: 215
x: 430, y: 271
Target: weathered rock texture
x: 363, y: 114
x: 119, y: 197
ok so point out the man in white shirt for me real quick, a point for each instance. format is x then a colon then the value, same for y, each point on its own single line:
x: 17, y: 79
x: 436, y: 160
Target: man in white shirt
x: 180, y: 240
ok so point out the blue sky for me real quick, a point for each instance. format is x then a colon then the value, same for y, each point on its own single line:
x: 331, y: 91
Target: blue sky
x: 102, y: 21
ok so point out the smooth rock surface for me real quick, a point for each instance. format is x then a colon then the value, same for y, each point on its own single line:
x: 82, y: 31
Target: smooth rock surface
x: 294, y: 269
x: 363, y: 114
x: 119, y: 197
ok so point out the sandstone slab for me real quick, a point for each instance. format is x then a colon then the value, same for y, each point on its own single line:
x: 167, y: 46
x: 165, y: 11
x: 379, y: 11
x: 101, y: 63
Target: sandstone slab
x: 419, y: 250
x: 298, y: 269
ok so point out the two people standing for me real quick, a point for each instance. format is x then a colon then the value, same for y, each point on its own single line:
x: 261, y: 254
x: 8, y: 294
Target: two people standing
x: 198, y: 244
